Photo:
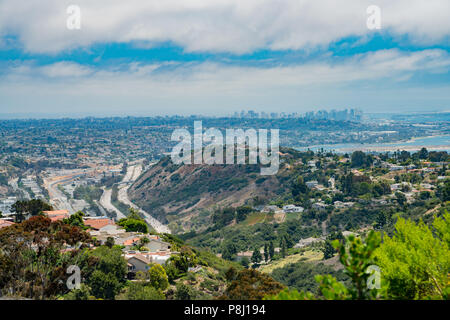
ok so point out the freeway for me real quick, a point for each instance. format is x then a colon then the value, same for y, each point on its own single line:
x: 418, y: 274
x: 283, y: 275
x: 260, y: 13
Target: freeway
x: 133, y: 172
x: 105, y: 202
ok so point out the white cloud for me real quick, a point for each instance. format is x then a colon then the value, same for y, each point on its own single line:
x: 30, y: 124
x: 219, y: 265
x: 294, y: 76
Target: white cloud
x: 203, y: 86
x: 64, y: 69
x: 218, y: 25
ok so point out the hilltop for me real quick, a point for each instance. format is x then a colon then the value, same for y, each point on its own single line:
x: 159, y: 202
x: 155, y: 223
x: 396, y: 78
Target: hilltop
x: 187, y: 195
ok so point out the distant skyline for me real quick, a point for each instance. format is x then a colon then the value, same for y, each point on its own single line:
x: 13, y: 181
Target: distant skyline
x: 215, y: 57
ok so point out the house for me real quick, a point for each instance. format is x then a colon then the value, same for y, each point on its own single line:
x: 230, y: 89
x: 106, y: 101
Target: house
x: 57, y: 215
x: 319, y: 206
x: 398, y: 186
x: 380, y: 202
x: 311, y: 163
x: 5, y: 223
x: 426, y: 185
x: 131, y: 241
x: 341, y: 205
x: 137, y: 262
x: 311, y: 184
x: 270, y: 208
x: 155, y: 245
x: 308, y: 241
x: 107, y: 230
x: 140, y: 261
x: 98, y: 223
x: 247, y: 254
x: 160, y: 257
x: 349, y: 233
x: 396, y: 168
x: 292, y: 208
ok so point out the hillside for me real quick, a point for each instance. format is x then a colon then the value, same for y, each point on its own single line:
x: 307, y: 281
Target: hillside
x: 187, y: 195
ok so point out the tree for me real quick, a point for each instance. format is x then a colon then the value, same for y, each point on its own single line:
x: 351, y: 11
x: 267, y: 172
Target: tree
x: 250, y: 284
x: 266, y: 252
x: 256, y: 256
x: 242, y: 213
x: 109, y: 276
x: 328, y: 250
x: 423, y: 153
x: 76, y: 220
x: 184, y: 292
x: 356, y: 256
x: 109, y: 242
x: 400, y: 197
x: 383, y: 219
x: 413, y: 264
x: 32, y: 207
x: 84, y: 293
x: 444, y: 191
x: 158, y: 277
x: 134, y: 214
x: 299, y: 187
x: 32, y: 263
x: 415, y: 261
x: 179, y: 264
x: 283, y: 248
x: 360, y: 159
x: 104, y: 285
x: 133, y: 225
x: 138, y: 290
x: 271, y: 250
x: 245, y: 262
x: 229, y: 251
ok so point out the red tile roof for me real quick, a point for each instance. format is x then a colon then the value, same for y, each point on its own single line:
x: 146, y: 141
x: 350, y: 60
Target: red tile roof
x: 129, y: 242
x: 56, y: 212
x: 5, y: 223
x: 57, y: 215
x: 97, y: 224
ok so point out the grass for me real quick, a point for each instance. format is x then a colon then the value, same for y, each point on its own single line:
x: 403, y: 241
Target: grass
x: 307, y: 256
x: 257, y: 217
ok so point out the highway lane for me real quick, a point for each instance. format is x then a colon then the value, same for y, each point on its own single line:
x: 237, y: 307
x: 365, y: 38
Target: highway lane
x: 105, y: 202
x: 133, y: 172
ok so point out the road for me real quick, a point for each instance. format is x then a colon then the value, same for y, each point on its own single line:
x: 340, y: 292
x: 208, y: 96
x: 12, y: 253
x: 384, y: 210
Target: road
x: 133, y: 172
x: 58, y: 199
x: 105, y: 202
x: 13, y: 183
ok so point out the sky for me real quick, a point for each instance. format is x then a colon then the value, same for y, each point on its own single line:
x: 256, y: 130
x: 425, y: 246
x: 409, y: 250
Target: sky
x: 215, y: 57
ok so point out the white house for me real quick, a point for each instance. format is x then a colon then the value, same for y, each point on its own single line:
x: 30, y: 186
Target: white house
x: 292, y: 208
x: 311, y: 184
x: 340, y: 204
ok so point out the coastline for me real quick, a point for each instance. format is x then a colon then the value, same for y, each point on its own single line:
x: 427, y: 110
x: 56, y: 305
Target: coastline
x: 406, y: 145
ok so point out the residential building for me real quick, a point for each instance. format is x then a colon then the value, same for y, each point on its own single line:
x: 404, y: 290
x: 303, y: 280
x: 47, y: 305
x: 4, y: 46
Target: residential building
x: 292, y: 208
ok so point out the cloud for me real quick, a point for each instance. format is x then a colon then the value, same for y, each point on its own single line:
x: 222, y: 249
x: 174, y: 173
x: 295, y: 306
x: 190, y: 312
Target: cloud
x: 131, y: 87
x: 233, y: 26
x: 64, y: 69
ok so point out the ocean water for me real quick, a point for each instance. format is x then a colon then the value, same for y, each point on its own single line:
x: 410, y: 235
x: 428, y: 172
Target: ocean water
x: 434, y: 143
